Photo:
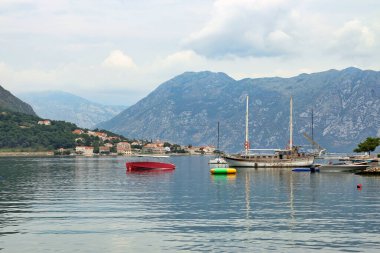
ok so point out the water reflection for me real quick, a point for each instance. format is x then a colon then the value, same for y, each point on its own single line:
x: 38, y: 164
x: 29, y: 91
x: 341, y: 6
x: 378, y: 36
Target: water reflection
x: 72, y: 204
x: 229, y: 178
x: 14, y: 196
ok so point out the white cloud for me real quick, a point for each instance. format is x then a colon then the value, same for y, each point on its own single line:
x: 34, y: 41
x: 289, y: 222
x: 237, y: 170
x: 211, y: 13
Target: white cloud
x: 246, y: 28
x: 354, y: 39
x: 117, y: 59
x: 71, y: 45
x: 286, y: 28
x: 184, y: 58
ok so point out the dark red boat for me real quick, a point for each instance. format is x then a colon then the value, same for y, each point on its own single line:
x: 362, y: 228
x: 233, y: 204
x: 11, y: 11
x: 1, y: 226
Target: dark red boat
x: 149, y: 166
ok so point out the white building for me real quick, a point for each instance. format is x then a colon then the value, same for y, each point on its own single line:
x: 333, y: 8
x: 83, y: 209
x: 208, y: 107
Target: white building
x: 84, y: 150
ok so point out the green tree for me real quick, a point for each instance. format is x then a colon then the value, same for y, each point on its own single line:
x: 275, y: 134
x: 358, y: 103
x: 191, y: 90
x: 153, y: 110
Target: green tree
x: 369, y: 145
x: 113, y: 149
x: 96, y: 146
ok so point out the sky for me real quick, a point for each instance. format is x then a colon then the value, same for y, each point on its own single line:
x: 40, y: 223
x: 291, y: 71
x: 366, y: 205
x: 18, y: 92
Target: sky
x: 118, y: 51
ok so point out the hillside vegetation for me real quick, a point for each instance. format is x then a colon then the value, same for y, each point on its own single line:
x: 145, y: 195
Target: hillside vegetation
x: 22, y: 131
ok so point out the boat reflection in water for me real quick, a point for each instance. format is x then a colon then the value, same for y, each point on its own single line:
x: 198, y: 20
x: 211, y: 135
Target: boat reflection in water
x: 90, y: 204
x: 285, y: 191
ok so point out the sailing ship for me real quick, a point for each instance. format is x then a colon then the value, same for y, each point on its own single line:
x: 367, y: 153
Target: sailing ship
x: 273, y: 158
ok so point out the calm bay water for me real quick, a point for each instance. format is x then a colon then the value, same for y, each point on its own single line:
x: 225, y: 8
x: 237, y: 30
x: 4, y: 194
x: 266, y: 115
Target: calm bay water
x: 93, y: 205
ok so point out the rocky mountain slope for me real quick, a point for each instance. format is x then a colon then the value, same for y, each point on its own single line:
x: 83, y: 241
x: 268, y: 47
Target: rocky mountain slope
x: 60, y: 105
x: 14, y: 104
x: 186, y: 110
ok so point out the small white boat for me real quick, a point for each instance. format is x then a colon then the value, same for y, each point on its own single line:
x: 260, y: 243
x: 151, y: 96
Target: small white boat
x: 217, y: 160
x: 343, y: 167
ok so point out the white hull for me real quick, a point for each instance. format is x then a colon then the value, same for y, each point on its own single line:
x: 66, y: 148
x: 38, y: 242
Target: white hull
x: 272, y: 163
x: 281, y: 158
x: 342, y: 167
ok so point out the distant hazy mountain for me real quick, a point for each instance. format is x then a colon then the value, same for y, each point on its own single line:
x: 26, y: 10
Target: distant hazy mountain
x: 186, y: 110
x: 12, y: 103
x: 60, y: 105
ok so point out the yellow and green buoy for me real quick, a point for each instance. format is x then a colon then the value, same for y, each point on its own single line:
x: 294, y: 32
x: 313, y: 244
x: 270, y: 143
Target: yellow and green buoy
x: 223, y: 171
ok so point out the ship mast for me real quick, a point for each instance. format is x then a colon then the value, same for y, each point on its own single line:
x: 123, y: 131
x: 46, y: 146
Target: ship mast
x: 218, y: 142
x: 246, y: 143
x: 291, y: 124
x: 312, y: 128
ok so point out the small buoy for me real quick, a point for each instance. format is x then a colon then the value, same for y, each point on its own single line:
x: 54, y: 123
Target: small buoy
x: 223, y: 171
x: 359, y: 186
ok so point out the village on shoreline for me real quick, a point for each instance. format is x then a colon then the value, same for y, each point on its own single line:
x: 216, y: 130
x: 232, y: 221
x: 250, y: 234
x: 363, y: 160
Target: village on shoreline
x: 92, y: 143
x: 114, y: 146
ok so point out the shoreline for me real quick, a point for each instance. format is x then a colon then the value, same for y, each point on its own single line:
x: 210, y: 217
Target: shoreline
x: 37, y: 153
x: 51, y: 153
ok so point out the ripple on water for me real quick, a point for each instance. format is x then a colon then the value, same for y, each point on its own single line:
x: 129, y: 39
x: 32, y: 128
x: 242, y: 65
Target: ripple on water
x: 79, y: 204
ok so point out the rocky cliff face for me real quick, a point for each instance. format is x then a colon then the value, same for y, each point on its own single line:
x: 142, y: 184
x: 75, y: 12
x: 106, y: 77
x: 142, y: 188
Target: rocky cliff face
x: 186, y: 110
x: 58, y: 105
x: 12, y: 103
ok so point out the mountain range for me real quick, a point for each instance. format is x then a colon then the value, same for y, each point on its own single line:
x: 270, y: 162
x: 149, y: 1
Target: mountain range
x: 59, y: 105
x: 9, y: 102
x: 186, y: 109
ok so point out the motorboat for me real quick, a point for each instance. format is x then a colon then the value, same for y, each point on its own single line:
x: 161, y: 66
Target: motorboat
x: 343, y: 167
x: 217, y: 161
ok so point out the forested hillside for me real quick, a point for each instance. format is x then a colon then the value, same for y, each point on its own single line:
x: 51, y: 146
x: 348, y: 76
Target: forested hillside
x: 18, y: 130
